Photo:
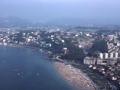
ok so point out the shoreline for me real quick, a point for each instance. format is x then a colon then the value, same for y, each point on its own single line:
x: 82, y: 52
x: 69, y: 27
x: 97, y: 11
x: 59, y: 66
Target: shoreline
x: 74, y: 76
x: 27, y: 47
x: 21, y: 46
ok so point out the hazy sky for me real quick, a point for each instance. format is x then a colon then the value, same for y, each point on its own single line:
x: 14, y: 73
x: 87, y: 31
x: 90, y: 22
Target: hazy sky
x: 53, y: 9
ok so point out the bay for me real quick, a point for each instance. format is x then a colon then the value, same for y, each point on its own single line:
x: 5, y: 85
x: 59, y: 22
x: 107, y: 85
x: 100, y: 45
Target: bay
x: 26, y: 69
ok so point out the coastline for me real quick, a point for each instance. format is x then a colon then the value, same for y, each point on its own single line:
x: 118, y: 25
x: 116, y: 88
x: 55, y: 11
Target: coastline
x: 20, y: 46
x: 71, y: 74
x: 27, y: 47
x: 74, y: 76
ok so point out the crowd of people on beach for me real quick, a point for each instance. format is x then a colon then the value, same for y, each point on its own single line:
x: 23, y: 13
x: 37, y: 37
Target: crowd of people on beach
x: 74, y: 76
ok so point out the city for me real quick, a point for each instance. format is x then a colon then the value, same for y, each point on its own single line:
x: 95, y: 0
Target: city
x: 59, y: 44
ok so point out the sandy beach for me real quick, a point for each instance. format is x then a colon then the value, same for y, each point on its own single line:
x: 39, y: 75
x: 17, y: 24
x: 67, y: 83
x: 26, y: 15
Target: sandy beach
x: 74, y: 76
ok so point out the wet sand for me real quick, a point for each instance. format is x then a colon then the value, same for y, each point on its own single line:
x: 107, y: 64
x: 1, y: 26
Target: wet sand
x: 74, y: 76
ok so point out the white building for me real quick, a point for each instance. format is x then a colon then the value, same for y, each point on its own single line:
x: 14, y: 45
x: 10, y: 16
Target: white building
x: 65, y: 48
x: 100, y: 55
x: 116, y: 55
x: 62, y: 41
x: 89, y: 61
x: 111, y: 55
x: 106, y: 55
x: 102, y: 62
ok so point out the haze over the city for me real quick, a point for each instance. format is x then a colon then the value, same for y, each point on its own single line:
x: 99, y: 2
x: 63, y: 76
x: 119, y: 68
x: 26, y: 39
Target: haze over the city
x: 91, y: 11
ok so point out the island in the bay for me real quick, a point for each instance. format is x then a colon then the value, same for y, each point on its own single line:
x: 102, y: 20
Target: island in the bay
x: 87, y: 57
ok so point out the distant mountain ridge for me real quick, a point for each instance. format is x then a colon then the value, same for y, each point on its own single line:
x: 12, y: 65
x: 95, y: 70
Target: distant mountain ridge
x: 86, y: 21
x: 13, y: 21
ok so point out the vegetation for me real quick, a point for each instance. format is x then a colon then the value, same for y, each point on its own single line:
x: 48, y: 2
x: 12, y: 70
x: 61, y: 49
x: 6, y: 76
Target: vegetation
x: 75, y: 53
x: 100, y: 46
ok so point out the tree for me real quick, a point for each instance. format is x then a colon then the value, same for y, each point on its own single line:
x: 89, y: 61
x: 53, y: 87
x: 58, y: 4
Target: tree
x: 75, y: 53
x: 100, y: 46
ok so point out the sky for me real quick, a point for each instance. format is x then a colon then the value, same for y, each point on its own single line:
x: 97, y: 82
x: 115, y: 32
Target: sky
x: 46, y: 10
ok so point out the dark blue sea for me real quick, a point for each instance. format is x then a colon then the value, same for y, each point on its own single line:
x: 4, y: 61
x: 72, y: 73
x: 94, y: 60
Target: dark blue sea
x: 26, y: 69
